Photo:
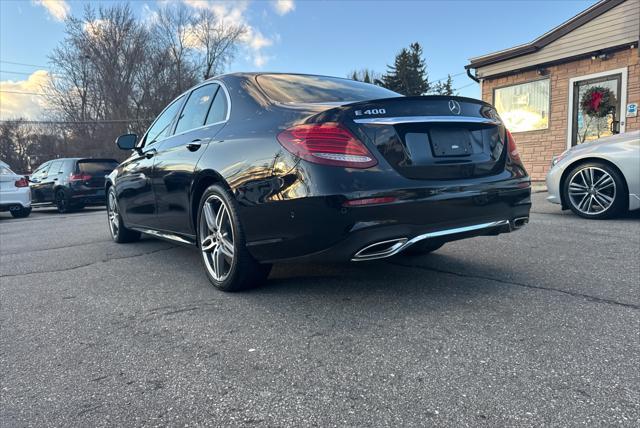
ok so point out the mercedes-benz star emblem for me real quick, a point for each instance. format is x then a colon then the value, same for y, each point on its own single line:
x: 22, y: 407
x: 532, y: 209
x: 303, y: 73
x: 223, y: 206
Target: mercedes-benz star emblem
x: 454, y: 106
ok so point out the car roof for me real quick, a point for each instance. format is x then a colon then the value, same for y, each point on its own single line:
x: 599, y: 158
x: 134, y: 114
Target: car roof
x: 80, y: 159
x: 280, y: 73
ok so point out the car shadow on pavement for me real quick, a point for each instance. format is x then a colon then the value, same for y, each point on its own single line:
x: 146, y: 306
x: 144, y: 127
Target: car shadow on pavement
x: 395, y: 279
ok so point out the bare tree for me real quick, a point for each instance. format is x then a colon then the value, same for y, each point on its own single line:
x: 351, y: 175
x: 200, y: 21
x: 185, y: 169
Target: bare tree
x: 113, y: 73
x: 173, y: 32
x: 218, y: 40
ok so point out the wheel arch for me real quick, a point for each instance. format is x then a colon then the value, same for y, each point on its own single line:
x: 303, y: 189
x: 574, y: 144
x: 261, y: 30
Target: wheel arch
x: 582, y: 161
x: 203, y: 179
x: 60, y: 187
x: 107, y: 183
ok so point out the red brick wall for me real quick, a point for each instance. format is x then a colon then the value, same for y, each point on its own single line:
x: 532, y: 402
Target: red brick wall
x: 537, y: 148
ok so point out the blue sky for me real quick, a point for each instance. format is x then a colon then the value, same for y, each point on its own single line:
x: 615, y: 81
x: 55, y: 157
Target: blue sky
x: 323, y: 37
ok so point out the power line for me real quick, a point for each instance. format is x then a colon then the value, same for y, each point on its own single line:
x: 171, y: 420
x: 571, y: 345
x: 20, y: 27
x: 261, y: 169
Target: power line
x: 447, y: 76
x: 24, y: 64
x: 72, y: 122
x: 23, y: 93
x: 16, y: 72
x: 465, y: 86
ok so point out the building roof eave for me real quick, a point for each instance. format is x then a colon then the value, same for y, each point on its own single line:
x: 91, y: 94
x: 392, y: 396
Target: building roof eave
x: 547, y: 38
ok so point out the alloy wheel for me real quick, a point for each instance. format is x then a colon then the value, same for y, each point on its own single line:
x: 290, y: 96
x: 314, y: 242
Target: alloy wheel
x: 112, y: 212
x: 216, y: 237
x: 592, y: 190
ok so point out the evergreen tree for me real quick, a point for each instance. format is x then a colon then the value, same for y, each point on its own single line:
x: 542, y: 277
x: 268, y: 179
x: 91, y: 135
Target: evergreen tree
x: 408, y: 75
x: 444, y: 88
x: 365, y: 75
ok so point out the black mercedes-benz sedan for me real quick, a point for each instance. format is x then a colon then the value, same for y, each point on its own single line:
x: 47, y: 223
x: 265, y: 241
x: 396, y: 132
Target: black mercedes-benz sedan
x: 257, y: 168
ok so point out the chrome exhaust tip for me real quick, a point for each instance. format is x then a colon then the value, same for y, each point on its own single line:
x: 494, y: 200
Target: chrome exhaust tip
x: 379, y: 250
x: 519, y: 222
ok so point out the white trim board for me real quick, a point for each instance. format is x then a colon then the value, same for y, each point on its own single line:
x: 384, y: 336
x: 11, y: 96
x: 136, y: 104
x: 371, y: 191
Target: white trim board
x: 623, y: 98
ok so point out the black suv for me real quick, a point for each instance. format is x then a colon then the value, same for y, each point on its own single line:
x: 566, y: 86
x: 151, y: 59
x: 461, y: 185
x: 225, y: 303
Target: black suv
x: 70, y: 183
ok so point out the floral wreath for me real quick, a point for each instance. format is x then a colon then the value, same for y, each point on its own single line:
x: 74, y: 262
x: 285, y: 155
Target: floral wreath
x: 598, y: 101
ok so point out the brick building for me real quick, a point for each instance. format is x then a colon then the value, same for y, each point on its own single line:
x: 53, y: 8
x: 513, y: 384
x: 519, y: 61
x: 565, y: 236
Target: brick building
x: 537, y: 87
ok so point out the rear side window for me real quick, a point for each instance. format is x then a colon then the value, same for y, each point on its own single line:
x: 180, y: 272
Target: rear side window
x: 295, y: 88
x: 196, y: 108
x: 97, y: 166
x: 56, y: 167
x: 218, y: 110
x: 161, y: 128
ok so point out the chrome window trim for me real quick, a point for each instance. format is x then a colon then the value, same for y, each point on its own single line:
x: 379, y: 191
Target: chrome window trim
x: 144, y: 136
x: 208, y: 82
x: 426, y: 119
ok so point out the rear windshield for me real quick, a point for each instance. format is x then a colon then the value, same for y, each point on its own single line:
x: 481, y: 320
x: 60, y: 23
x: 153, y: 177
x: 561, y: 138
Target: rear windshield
x: 97, y: 166
x: 295, y: 88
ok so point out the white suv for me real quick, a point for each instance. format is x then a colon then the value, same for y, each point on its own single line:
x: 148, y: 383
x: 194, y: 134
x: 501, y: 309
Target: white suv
x: 15, y: 194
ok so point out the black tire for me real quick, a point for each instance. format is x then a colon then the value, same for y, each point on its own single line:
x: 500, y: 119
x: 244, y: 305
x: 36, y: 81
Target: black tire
x: 62, y: 201
x: 243, y: 271
x: 618, y: 192
x: 21, y: 213
x: 118, y: 231
x: 424, y: 247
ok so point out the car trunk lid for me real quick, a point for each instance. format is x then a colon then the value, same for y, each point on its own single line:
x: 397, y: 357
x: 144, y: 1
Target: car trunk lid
x: 429, y: 137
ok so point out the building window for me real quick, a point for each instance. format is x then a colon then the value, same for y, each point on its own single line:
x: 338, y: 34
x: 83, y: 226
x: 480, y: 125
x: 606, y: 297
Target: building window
x: 524, y: 107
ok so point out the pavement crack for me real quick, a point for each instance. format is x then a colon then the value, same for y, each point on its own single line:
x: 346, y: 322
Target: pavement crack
x: 57, y: 248
x: 178, y: 311
x: 587, y: 297
x: 71, y: 268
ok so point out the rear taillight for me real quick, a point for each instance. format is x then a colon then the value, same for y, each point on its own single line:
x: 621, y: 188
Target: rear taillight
x: 511, y: 146
x: 23, y: 182
x: 327, y: 144
x: 79, y: 177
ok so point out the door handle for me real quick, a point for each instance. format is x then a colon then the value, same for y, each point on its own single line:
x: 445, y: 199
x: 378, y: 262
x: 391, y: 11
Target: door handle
x: 150, y: 153
x: 197, y: 143
x: 194, y: 146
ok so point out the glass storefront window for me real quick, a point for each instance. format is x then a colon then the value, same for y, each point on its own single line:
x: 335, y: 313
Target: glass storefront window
x: 524, y: 107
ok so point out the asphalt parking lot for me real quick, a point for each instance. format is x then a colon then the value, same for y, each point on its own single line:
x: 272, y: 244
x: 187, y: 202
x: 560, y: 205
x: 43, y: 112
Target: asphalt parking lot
x: 538, y: 327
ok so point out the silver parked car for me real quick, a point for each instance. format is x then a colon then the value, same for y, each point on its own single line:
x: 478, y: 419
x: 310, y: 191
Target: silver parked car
x: 599, y: 179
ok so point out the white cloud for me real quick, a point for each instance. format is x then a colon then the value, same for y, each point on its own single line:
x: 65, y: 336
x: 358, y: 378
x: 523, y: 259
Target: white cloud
x: 255, y: 40
x: 95, y: 27
x: 15, y: 105
x: 58, y: 9
x: 284, y: 6
x: 259, y: 60
x: 234, y: 14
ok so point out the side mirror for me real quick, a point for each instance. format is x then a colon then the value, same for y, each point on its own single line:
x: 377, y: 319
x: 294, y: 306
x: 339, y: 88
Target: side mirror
x: 127, y: 141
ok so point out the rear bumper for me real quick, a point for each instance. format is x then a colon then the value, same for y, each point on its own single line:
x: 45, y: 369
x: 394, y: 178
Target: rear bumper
x: 89, y: 196
x: 322, y: 229
x: 18, y: 197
